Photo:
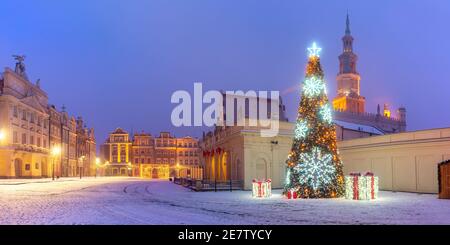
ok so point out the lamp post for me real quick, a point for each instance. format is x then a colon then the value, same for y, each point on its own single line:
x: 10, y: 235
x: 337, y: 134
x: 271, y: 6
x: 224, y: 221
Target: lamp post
x: 129, y: 169
x: 105, y: 169
x: 272, y: 144
x: 2, y: 135
x: 56, y: 151
x: 97, y: 164
x: 81, y: 163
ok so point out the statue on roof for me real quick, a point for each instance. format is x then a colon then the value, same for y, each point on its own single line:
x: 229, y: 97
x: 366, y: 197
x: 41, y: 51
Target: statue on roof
x: 20, y: 66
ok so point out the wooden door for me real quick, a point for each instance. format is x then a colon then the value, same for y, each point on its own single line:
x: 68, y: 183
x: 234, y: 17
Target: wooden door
x: 445, y: 181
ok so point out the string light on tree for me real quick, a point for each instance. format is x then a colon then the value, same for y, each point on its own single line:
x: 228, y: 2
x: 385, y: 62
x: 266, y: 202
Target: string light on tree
x: 314, y: 166
x: 325, y: 111
x: 301, y: 129
x: 317, y: 169
x: 313, y: 87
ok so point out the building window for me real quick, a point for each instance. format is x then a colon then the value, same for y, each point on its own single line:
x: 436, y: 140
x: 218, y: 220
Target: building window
x: 191, y: 153
x: 142, y: 160
x: 181, y: 153
x: 24, y: 115
x: 136, y: 160
x: 36, y: 165
x: 15, y: 114
x: 31, y: 140
x: 38, y: 142
x: 24, y: 139
x: 15, y: 137
x: 186, y: 161
x: 45, y: 143
x: 27, y: 167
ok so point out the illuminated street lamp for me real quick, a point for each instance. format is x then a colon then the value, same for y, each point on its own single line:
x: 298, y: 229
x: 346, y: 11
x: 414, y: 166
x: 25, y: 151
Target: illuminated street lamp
x: 2, y: 135
x: 129, y: 169
x: 178, y: 169
x: 55, y: 152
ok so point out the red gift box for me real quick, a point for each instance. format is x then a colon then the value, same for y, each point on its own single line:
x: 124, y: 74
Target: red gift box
x: 291, y: 194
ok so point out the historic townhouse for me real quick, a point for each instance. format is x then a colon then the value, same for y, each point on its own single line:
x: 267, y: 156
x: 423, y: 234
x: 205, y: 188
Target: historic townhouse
x: 30, y: 128
x: 146, y: 156
x: 85, y: 149
x: 116, y: 152
x: 23, y: 126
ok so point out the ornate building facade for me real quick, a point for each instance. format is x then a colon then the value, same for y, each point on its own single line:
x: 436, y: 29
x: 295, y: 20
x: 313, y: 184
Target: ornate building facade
x: 24, y: 125
x: 349, y: 104
x: 158, y: 157
x: 116, y: 151
x: 85, y: 149
x: 30, y: 127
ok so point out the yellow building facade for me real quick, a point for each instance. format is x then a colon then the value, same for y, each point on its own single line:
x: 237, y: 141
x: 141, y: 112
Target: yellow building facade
x: 116, y: 152
x: 24, y: 126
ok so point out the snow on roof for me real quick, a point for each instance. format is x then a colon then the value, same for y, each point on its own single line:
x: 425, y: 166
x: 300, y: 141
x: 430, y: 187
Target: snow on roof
x: 358, y: 127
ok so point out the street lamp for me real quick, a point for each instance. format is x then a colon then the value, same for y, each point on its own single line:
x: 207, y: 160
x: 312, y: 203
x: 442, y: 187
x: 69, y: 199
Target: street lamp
x: 56, y: 151
x: 129, y: 169
x: 81, y: 163
x: 2, y: 135
x: 97, y: 164
x: 178, y: 169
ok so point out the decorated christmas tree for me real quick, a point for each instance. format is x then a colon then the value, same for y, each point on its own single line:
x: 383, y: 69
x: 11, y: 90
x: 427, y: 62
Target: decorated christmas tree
x: 314, y: 168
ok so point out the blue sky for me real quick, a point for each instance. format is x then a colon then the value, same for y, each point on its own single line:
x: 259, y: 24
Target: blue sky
x: 116, y: 63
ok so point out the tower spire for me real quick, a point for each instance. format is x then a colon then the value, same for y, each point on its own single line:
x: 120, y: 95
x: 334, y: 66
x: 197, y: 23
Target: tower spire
x: 347, y: 25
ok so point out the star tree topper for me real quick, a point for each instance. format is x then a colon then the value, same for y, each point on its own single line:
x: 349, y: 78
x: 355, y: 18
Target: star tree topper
x: 314, y: 50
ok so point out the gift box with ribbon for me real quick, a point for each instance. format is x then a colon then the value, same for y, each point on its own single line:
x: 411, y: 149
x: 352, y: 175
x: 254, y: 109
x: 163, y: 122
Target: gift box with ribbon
x: 291, y: 194
x: 262, y: 188
x: 361, y: 187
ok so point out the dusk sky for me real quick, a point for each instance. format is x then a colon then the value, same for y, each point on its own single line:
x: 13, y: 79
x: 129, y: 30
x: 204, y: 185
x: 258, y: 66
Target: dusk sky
x: 116, y: 63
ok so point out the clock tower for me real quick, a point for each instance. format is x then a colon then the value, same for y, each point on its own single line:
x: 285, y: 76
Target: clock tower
x: 348, y: 97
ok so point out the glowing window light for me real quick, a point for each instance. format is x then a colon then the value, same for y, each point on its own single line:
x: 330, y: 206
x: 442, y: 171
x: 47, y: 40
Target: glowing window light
x: 313, y: 87
x: 262, y: 188
x: 314, y: 50
x: 301, y: 130
x: 325, y: 111
x: 315, y: 168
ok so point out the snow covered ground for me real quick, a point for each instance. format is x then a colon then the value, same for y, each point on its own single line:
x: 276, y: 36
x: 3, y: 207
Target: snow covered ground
x: 136, y: 201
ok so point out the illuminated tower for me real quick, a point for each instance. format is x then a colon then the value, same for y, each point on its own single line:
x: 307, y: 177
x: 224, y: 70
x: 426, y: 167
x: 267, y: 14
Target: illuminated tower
x: 348, y: 95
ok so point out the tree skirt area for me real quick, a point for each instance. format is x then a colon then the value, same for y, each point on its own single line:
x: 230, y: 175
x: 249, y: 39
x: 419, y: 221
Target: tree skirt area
x: 137, y: 201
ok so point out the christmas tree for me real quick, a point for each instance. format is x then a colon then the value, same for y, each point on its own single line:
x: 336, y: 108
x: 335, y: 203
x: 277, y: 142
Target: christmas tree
x: 314, y: 168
